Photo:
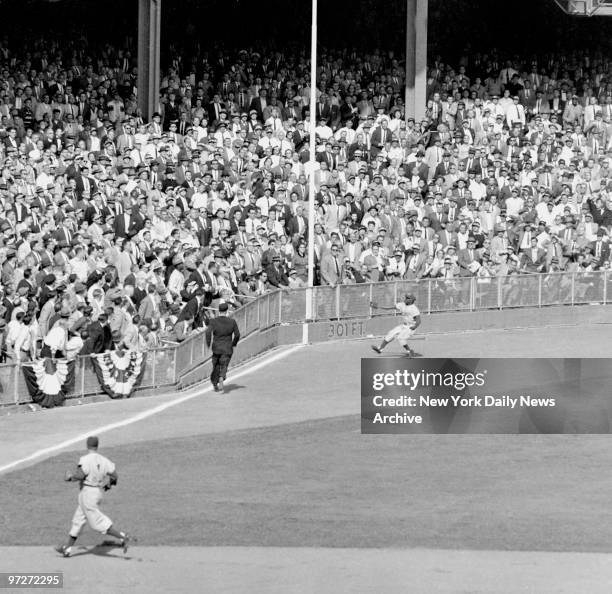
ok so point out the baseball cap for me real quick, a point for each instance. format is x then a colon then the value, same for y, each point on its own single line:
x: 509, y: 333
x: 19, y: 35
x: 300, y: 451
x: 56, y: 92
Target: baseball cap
x: 92, y: 442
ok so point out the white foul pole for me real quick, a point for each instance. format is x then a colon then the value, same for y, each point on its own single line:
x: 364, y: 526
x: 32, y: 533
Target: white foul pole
x: 311, y: 180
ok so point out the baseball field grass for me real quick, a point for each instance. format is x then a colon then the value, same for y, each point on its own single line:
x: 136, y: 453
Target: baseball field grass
x: 272, y: 488
x: 321, y: 483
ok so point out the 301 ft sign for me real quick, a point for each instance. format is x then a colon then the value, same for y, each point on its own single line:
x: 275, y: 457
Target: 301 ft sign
x: 346, y: 329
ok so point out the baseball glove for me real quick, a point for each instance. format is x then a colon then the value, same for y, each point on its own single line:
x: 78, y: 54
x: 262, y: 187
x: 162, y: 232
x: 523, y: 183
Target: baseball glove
x: 109, y: 482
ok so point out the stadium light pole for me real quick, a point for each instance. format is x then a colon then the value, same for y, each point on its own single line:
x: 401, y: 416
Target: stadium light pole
x: 311, y: 179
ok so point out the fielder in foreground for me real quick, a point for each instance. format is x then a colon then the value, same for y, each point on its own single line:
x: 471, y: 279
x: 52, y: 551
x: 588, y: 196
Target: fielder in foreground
x: 95, y: 474
x: 405, y: 331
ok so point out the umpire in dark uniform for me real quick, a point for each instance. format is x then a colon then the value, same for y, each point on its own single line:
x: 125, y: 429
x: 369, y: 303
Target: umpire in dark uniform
x: 222, y: 335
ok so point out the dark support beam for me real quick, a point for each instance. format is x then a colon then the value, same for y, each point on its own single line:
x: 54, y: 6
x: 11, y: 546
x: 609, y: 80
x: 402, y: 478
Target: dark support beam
x: 416, y: 58
x: 420, y: 86
x: 149, y: 30
x: 410, y: 56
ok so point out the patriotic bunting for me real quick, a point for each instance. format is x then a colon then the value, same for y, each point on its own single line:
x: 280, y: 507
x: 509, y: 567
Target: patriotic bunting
x: 48, y: 380
x: 119, y: 372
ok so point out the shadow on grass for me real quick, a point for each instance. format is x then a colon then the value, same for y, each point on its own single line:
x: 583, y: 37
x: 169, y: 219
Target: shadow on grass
x: 104, y: 549
x: 231, y: 388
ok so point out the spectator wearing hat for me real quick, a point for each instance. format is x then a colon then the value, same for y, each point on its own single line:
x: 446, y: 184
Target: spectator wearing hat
x: 467, y: 259
x: 515, y: 113
x: 447, y: 289
x: 600, y: 248
x: 415, y: 263
x: 126, y: 225
x: 176, y: 281
x: 47, y: 310
x: 295, y: 282
x: 396, y: 266
x: 554, y: 249
x: 103, y: 184
x: 219, y: 223
x: 276, y: 273
x: 418, y: 168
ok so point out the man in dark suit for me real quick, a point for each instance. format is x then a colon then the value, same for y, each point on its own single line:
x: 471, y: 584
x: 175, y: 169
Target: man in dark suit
x: 380, y: 137
x: 206, y: 278
x: 96, y: 207
x: 556, y: 104
x: 126, y: 224
x: 84, y: 107
x: 323, y: 108
x: 215, y: 108
x: 259, y: 104
x: 194, y: 309
x: 297, y: 224
x: 227, y: 86
x: 419, y: 167
x: 200, y: 225
x: 276, y: 275
x: 63, y: 235
x: 602, y: 215
x: 284, y: 211
x: 84, y: 183
x: 222, y: 335
x: 299, y: 136
x: 600, y: 249
x: 438, y: 217
x: 443, y: 168
x: 534, y: 258
x: 291, y: 111
x: 100, y: 334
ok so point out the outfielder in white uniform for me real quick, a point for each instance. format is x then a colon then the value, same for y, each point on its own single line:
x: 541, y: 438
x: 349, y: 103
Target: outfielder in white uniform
x: 96, y: 474
x: 402, y: 333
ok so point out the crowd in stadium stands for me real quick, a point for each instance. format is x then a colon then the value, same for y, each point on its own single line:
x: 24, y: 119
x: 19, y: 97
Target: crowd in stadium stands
x: 120, y: 232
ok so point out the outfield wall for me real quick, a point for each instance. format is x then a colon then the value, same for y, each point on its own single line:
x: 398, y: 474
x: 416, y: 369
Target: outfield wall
x: 440, y: 323
x: 178, y: 368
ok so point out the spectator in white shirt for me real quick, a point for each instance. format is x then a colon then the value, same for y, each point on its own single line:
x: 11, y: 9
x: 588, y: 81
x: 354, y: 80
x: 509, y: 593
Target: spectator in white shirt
x: 54, y: 343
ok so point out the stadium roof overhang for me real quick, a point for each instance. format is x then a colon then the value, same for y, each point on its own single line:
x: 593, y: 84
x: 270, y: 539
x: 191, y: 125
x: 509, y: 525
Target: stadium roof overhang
x: 586, y: 7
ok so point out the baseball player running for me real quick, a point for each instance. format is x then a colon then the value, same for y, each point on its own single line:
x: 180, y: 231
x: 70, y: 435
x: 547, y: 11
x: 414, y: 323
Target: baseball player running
x: 96, y: 474
x: 403, y: 332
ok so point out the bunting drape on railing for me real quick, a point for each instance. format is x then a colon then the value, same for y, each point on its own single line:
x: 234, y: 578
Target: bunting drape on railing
x: 48, y: 380
x: 119, y: 372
